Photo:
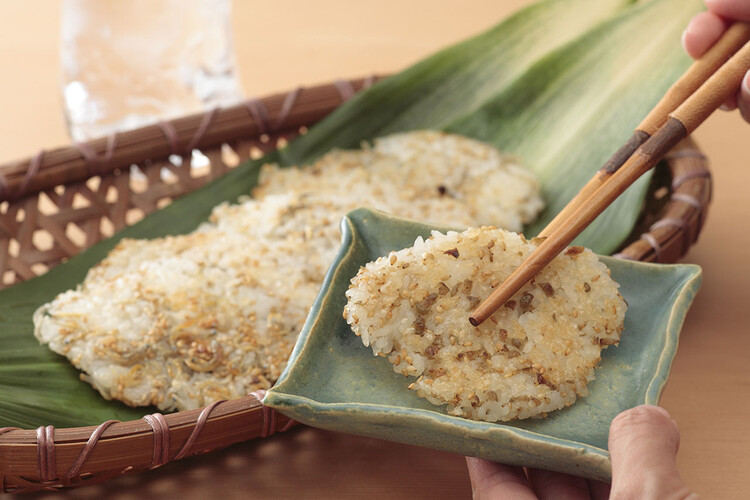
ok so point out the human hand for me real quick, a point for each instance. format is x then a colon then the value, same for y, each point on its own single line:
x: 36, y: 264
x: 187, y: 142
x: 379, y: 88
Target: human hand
x: 706, y: 28
x: 643, y: 443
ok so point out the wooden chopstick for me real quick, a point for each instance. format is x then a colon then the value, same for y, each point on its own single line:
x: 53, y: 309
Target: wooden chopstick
x: 734, y: 38
x: 680, y: 123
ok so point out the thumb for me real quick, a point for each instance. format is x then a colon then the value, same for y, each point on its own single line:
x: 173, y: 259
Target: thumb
x: 643, y: 443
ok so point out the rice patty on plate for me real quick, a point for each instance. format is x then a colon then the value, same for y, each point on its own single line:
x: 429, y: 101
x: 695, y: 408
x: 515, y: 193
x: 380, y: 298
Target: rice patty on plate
x: 534, y: 355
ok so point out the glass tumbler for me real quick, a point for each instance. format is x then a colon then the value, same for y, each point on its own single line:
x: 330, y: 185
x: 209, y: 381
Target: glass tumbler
x: 129, y: 63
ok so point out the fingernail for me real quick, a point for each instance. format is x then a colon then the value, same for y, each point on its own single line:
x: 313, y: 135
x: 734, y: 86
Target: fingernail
x: 689, y: 30
x: 724, y: 107
x: 746, y: 84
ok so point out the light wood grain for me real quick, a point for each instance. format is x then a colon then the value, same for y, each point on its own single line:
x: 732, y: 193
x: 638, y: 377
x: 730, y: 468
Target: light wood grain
x: 287, y: 42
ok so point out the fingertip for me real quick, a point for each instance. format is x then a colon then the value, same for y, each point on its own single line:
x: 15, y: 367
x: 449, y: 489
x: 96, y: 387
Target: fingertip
x: 685, y: 45
x: 491, y: 480
x: 640, y: 412
x: 643, y: 443
x: 645, y: 421
x: 731, y: 103
x: 703, y: 30
x: 656, y: 409
x: 549, y: 484
x: 743, y: 98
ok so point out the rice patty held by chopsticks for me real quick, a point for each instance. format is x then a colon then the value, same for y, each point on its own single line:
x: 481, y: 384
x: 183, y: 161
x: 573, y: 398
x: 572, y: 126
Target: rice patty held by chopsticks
x: 532, y: 356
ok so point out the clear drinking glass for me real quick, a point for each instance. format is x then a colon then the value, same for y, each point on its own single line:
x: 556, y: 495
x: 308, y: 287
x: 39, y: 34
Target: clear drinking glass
x: 130, y: 63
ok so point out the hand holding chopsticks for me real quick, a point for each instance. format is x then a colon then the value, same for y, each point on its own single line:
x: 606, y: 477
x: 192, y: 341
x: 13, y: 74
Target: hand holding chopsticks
x: 687, y: 104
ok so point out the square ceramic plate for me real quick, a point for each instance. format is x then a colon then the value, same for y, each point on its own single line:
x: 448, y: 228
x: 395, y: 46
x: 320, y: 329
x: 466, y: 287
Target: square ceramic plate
x: 334, y: 382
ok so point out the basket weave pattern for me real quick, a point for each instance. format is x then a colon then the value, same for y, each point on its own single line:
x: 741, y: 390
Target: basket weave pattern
x: 57, y: 203
x: 60, y: 202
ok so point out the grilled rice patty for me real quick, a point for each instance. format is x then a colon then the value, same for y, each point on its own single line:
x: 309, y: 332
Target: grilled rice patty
x: 532, y: 356
x: 182, y: 321
x: 423, y: 175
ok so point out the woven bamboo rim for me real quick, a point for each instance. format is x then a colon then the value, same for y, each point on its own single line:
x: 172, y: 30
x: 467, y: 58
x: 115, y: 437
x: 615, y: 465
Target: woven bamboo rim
x: 89, y: 188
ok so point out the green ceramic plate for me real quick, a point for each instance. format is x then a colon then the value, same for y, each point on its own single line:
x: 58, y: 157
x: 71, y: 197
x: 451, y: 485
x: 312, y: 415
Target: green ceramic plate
x: 333, y: 382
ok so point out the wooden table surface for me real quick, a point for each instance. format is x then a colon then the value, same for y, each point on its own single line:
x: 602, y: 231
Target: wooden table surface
x: 286, y: 43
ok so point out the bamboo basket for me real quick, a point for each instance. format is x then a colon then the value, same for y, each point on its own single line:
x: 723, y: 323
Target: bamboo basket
x: 60, y: 202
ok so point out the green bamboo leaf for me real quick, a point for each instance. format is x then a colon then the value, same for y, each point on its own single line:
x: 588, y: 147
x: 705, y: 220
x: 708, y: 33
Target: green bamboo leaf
x: 568, y: 113
x: 456, y: 80
x: 537, y: 85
